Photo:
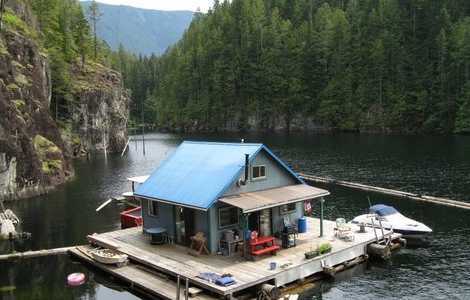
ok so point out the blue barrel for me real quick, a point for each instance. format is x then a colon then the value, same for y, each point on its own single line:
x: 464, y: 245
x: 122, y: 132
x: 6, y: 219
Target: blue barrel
x: 302, y: 225
x: 248, y: 235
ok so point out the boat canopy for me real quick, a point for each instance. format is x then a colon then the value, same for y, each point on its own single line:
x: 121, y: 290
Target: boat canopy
x: 382, y: 210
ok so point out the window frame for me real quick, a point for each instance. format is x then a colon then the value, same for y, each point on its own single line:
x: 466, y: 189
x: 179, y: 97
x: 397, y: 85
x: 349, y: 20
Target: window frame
x: 229, y: 225
x: 259, y: 177
x: 287, y: 212
x: 151, y: 209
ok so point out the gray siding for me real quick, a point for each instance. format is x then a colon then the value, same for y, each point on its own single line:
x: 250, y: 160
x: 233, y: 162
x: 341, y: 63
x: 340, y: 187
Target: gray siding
x: 216, y: 232
x: 276, y: 176
x: 277, y: 217
x: 164, y: 219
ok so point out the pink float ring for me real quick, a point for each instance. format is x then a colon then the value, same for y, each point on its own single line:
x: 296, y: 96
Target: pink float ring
x: 75, y: 279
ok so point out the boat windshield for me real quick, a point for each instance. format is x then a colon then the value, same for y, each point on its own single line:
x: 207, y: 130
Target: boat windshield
x: 382, y: 210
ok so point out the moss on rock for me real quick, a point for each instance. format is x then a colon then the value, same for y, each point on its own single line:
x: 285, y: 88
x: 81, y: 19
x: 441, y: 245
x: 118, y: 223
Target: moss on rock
x: 43, y: 146
x: 22, y: 80
x: 52, y: 166
x: 49, y: 154
x: 15, y: 23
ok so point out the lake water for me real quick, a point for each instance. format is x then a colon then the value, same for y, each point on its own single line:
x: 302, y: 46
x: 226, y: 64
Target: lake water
x: 433, y: 165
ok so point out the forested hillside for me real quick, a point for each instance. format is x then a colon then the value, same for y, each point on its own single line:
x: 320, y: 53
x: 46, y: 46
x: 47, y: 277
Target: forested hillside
x: 368, y: 65
x: 140, y: 31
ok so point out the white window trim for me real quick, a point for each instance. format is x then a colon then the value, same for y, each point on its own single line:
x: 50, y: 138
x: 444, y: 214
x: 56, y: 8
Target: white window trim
x: 149, y: 208
x: 229, y: 225
x: 260, y: 177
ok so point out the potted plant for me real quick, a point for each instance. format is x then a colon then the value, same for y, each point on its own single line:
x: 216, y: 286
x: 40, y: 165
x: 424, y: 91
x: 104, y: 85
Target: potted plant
x: 311, y: 254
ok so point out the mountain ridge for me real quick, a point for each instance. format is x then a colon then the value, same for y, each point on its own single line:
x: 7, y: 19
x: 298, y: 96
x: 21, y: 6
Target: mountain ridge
x: 140, y: 30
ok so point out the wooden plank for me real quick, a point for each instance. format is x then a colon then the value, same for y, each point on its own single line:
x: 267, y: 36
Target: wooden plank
x: 34, y: 254
x: 137, y: 277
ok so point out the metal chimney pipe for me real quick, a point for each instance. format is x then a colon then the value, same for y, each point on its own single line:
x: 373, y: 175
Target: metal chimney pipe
x: 247, y: 161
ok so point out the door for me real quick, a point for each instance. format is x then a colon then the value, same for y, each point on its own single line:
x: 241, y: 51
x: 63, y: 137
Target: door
x: 253, y: 221
x: 184, y: 222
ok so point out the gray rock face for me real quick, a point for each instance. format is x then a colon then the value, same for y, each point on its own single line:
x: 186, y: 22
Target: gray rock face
x: 7, y: 176
x: 101, y: 114
x: 27, y: 168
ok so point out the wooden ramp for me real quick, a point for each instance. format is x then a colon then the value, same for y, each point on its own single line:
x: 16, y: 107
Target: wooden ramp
x: 139, y: 278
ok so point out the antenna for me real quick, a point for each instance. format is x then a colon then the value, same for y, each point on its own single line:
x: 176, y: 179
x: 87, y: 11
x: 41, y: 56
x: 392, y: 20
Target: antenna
x: 368, y: 199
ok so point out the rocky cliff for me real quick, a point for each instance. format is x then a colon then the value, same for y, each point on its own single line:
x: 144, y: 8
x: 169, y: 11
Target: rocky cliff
x: 32, y: 152
x: 101, y: 109
x: 35, y: 154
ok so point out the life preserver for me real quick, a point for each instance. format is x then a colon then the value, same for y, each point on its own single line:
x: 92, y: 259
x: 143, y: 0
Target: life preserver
x: 76, y: 279
x: 254, y: 235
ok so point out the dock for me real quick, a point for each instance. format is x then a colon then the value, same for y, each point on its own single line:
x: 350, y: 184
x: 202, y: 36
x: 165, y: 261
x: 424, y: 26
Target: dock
x: 174, y: 261
x: 380, y: 190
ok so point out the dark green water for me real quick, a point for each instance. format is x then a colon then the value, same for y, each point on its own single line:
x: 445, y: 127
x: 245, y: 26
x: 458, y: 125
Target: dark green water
x: 433, y: 165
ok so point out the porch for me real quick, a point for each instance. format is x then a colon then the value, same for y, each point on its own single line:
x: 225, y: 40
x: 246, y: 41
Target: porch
x: 174, y: 260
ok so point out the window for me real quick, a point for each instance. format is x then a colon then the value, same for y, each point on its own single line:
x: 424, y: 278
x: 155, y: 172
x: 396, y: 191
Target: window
x: 228, y: 216
x: 288, y: 208
x: 258, y: 172
x: 153, y: 208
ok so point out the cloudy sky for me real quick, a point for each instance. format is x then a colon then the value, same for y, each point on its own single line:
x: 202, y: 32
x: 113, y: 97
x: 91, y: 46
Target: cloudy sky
x: 164, y: 4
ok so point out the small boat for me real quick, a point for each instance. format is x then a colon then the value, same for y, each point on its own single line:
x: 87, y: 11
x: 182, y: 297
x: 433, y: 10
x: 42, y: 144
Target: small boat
x: 389, y: 218
x: 131, y: 218
x: 109, y: 257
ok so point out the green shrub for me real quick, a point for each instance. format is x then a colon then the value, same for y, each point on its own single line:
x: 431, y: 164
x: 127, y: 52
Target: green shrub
x: 14, y: 22
x: 324, y: 248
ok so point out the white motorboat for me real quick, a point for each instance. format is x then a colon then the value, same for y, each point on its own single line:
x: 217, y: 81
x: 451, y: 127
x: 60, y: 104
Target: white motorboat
x: 389, y: 218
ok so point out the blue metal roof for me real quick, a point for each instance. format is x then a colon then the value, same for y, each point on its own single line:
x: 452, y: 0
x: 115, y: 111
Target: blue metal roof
x: 198, y: 173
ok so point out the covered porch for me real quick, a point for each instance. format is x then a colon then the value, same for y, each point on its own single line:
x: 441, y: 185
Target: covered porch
x: 270, y: 219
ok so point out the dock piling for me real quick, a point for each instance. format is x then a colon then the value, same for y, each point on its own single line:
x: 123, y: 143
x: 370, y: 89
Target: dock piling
x: 186, y: 289
x: 178, y: 287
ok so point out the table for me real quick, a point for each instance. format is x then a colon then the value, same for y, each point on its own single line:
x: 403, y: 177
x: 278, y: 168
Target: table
x: 230, y: 244
x: 157, y: 234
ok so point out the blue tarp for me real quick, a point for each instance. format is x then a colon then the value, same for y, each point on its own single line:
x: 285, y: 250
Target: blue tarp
x: 198, y: 173
x: 382, y: 210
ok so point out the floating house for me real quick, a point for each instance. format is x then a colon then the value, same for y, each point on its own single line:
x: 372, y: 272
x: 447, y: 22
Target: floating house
x: 212, y: 188
x: 238, y: 200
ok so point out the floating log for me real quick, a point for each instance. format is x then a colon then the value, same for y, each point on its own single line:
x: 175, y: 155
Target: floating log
x: 385, y: 191
x: 34, y: 254
x: 382, y: 251
x: 125, y: 147
x: 104, y: 204
x: 332, y: 271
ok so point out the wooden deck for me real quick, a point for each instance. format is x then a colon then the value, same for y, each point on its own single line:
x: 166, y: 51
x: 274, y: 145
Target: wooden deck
x: 174, y: 260
x: 141, y: 279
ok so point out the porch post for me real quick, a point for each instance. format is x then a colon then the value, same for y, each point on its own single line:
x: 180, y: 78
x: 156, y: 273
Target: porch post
x: 322, y: 200
x: 245, y: 229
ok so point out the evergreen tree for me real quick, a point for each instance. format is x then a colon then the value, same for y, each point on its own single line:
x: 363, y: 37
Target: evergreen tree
x: 94, y: 15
